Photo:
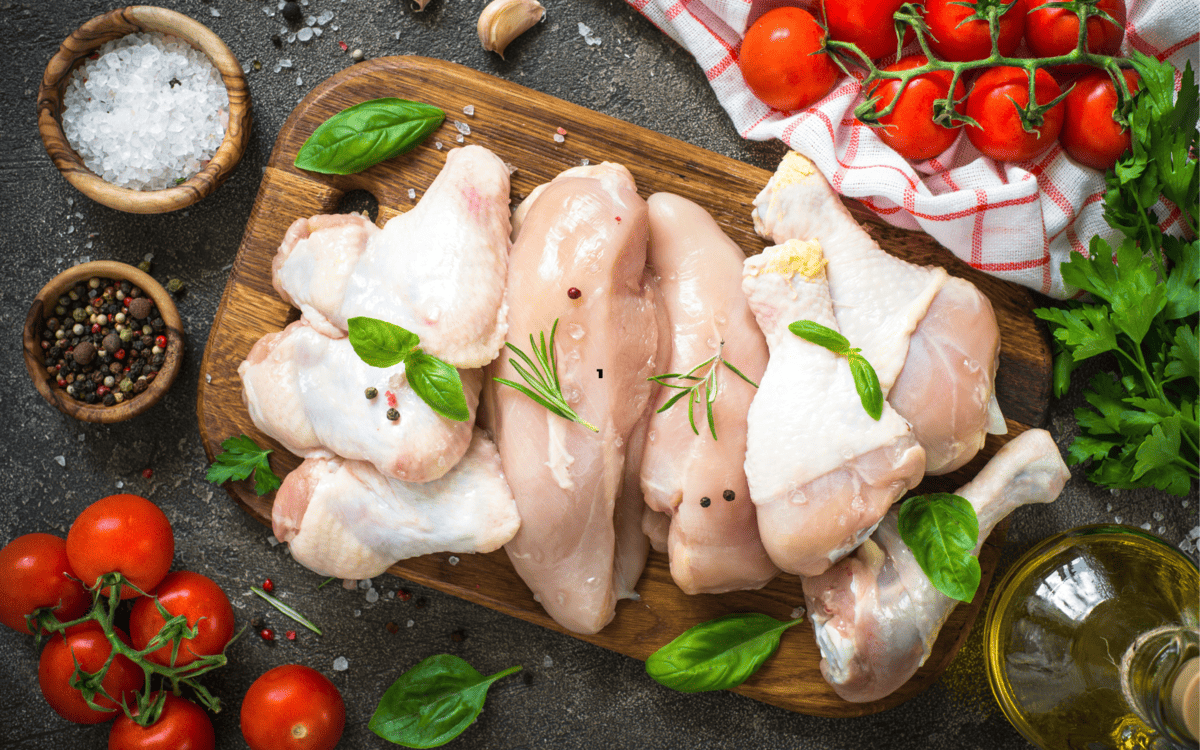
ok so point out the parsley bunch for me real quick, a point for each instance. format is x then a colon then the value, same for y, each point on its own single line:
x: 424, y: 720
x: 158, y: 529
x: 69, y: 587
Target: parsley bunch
x: 1141, y: 429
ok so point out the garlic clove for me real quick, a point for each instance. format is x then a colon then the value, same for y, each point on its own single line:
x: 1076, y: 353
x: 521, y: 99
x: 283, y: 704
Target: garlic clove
x: 504, y: 20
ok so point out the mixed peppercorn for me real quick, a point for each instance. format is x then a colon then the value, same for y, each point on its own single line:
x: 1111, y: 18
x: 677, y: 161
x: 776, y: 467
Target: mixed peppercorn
x: 105, y: 342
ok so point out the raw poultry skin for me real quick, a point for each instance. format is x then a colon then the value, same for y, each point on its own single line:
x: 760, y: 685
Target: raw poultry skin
x: 437, y: 270
x: 580, y: 547
x: 932, y: 340
x: 700, y: 483
x: 306, y: 390
x: 876, y: 615
x: 821, y: 471
x: 344, y: 518
x: 315, y: 261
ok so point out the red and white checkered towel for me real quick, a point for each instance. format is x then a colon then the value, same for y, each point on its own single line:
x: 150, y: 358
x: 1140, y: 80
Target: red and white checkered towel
x: 1017, y: 221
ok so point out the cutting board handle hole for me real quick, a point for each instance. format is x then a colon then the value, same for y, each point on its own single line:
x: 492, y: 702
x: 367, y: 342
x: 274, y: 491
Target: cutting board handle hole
x: 361, y: 201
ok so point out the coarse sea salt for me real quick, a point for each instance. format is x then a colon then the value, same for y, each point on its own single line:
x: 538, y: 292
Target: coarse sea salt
x: 148, y: 112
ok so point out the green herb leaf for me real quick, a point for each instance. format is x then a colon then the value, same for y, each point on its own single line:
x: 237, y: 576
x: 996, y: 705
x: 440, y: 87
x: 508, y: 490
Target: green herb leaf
x: 707, y: 383
x: 942, y: 532
x: 815, y: 333
x: 240, y: 458
x: 380, y: 343
x: 866, y: 382
x: 717, y: 654
x: 366, y: 134
x: 540, y: 373
x: 438, y: 385
x: 289, y: 611
x: 433, y: 702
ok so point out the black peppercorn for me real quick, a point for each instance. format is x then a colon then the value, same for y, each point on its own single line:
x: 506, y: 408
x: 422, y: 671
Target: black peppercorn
x: 705, y: 502
x: 393, y: 415
x: 728, y: 495
x: 371, y: 393
x: 291, y: 11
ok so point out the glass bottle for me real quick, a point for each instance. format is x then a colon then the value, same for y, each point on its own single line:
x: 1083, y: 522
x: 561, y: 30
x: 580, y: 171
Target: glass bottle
x: 1092, y: 641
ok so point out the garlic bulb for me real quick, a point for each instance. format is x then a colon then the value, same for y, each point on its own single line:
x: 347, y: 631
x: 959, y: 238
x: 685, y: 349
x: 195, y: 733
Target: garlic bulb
x: 504, y: 20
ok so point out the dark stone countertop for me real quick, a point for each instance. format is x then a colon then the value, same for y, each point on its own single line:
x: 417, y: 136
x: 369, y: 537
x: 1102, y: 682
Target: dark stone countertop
x: 571, y: 695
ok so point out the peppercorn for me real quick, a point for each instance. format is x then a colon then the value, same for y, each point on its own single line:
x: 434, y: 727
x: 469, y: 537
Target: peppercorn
x: 268, y: 585
x: 267, y: 634
x: 84, y: 353
x: 291, y: 12
x: 574, y: 293
x: 291, y: 635
x: 705, y: 502
x: 371, y: 393
x: 392, y: 415
x: 140, y: 308
x: 175, y: 286
x: 728, y: 495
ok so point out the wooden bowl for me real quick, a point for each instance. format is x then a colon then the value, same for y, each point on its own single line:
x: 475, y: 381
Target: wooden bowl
x: 114, y: 25
x: 35, y: 356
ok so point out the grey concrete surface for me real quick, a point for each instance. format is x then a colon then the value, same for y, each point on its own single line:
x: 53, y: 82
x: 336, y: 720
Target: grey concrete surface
x: 570, y: 696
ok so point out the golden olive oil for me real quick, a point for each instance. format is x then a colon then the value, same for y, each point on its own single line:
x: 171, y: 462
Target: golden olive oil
x: 1062, y: 624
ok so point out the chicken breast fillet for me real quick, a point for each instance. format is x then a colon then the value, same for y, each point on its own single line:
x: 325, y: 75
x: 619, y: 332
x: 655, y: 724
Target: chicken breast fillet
x: 697, y: 480
x: 822, y: 472
x: 876, y: 615
x: 579, y: 260
x: 923, y: 332
x: 346, y: 519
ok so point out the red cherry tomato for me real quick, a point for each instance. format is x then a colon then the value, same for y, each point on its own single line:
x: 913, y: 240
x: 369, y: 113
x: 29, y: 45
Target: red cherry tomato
x: 954, y: 38
x: 35, y: 573
x: 910, y: 128
x: 1055, y: 31
x: 201, y: 601
x: 1090, y: 134
x: 866, y: 23
x: 993, y: 104
x: 293, y: 707
x: 91, y: 649
x: 123, y: 533
x: 781, y: 62
x: 182, y: 725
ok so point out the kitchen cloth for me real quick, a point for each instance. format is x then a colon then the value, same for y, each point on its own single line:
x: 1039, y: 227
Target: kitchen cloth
x: 1016, y: 221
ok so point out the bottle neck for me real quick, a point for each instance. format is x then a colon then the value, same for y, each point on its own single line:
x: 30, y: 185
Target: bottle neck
x: 1160, y: 678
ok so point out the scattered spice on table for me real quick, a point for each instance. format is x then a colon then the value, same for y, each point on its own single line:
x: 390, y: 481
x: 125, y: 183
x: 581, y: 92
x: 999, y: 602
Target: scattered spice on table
x: 105, y: 342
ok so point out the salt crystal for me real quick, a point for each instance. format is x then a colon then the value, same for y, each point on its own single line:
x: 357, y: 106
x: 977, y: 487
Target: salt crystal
x: 207, y: 379
x: 299, y: 81
x: 215, y: 13
x: 1162, y: 529
x: 408, y: 624
x: 797, y: 613
x: 458, y: 139
x: 584, y: 162
x: 559, y: 138
x: 310, y: 21
x: 305, y: 34
x: 291, y: 38
x: 358, y: 613
x: 1146, y: 526
x: 586, y: 33
x: 372, y: 595
x: 547, y: 662
x: 462, y: 127
x: 453, y: 560
x: 412, y: 194
x: 325, y: 17
x: 316, y: 31
x: 469, y: 110
x: 60, y: 460
x: 71, y: 229
x: 341, y: 664
x: 271, y: 540
x: 285, y: 62
x: 268, y: 11
x: 391, y: 595
x: 1158, y: 516
x: 437, y: 145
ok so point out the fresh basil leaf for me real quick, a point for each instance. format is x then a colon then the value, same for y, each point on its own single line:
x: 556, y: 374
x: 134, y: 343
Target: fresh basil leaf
x: 867, y: 383
x: 717, y: 654
x: 380, y: 343
x: 942, y: 531
x: 815, y: 333
x: 437, y: 384
x: 366, y: 134
x: 433, y: 702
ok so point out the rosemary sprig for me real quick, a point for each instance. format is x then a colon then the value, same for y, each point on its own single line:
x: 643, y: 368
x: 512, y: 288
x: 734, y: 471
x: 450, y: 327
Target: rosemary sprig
x: 289, y: 611
x: 708, y: 383
x: 542, y: 377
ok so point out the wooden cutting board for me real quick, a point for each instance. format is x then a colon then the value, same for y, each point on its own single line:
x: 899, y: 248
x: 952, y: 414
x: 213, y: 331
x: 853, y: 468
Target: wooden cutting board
x: 519, y: 125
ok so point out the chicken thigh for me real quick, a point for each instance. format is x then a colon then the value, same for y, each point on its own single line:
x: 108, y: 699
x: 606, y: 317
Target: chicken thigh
x: 579, y: 259
x: 698, y: 481
x: 306, y: 390
x: 437, y: 270
x: 923, y: 332
x: 821, y: 471
x: 876, y: 615
x: 345, y: 519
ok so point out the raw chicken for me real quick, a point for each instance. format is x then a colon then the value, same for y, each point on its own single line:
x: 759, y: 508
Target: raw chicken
x: 932, y: 340
x: 345, y: 519
x: 821, y: 471
x: 437, y: 270
x: 876, y: 615
x: 315, y: 262
x: 580, y: 547
x: 306, y: 390
x: 713, y: 542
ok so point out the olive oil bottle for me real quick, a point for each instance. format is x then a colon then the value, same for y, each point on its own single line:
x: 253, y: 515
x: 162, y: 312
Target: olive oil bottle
x: 1092, y: 642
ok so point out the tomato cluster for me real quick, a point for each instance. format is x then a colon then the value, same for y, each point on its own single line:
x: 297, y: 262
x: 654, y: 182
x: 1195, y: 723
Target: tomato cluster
x: 48, y: 582
x: 786, y: 64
